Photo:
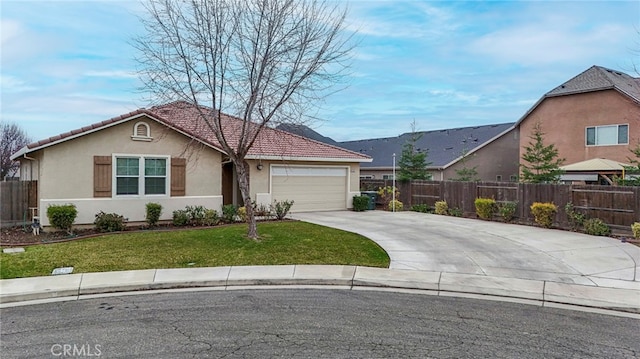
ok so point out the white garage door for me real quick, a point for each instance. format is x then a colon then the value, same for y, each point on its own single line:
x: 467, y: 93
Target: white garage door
x: 312, y: 188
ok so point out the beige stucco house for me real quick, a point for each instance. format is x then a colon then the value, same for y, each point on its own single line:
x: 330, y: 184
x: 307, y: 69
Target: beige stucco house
x: 167, y: 155
x: 594, y: 115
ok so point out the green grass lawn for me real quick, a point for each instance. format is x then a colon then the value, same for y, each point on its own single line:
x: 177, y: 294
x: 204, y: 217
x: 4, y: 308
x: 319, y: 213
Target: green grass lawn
x: 288, y: 242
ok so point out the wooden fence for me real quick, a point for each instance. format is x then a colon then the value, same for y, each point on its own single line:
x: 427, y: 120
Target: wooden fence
x: 16, y: 201
x: 618, y: 206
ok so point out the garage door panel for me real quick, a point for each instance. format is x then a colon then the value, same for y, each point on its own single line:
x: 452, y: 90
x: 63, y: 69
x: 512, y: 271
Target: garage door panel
x: 311, y: 189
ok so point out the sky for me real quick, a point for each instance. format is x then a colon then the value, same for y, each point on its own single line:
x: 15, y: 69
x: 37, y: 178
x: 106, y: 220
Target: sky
x: 443, y: 64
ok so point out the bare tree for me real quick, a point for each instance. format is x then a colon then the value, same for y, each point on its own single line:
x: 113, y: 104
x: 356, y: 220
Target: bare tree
x: 262, y: 61
x: 12, y: 138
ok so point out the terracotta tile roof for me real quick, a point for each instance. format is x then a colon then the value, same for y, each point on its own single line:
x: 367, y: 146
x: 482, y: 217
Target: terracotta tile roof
x: 269, y: 143
x: 185, y: 117
x: 85, y: 129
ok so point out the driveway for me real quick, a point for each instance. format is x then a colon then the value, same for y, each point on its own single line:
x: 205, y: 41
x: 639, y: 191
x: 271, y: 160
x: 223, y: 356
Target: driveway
x: 431, y: 242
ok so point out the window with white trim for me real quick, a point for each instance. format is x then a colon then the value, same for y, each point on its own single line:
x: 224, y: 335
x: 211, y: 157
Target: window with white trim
x: 607, y: 135
x: 140, y: 175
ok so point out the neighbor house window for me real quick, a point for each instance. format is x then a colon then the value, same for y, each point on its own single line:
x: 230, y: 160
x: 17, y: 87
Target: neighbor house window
x: 141, y: 176
x: 387, y: 177
x: 607, y: 135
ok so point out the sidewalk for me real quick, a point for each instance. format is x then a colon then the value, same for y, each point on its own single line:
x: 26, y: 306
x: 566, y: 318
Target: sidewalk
x: 619, y: 301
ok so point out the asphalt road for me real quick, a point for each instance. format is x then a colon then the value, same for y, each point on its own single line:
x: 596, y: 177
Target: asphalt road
x: 309, y: 323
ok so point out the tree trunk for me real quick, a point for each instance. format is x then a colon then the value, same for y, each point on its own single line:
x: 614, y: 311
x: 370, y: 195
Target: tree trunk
x: 243, y: 170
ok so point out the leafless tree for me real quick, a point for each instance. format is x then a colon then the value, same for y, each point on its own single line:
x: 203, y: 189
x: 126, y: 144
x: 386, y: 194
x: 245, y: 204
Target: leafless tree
x: 262, y: 61
x: 12, y: 138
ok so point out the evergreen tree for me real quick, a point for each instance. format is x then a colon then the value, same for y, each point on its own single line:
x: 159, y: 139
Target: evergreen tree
x: 466, y: 174
x: 413, y: 163
x: 633, y: 170
x: 541, y: 163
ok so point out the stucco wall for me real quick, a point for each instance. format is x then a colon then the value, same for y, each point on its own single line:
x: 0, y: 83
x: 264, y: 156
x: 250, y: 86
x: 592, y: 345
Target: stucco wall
x: 564, y: 120
x: 66, y: 172
x: 498, y: 158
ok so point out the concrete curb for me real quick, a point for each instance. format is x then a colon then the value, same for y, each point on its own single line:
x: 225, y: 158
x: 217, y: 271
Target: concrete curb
x: 545, y: 293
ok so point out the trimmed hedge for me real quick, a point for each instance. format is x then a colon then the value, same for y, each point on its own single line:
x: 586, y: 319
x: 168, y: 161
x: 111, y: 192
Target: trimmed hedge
x: 543, y: 213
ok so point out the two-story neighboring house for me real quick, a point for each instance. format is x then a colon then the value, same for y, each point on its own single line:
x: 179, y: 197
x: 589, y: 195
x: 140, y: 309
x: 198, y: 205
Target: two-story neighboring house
x: 595, y: 115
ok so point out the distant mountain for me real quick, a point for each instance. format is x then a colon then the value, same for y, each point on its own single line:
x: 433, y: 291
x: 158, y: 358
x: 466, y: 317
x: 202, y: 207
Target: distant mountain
x: 302, y: 130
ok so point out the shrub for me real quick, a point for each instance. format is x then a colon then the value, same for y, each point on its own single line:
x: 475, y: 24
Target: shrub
x: 442, y: 208
x: 211, y: 217
x: 229, y: 213
x: 180, y: 217
x: 456, y: 212
x: 422, y: 208
x: 242, y: 213
x: 386, y: 195
x: 62, y: 216
x: 543, y: 213
x: 360, y: 203
x: 596, y: 227
x: 261, y: 210
x: 508, y: 210
x: 635, y: 228
x: 485, y: 207
x: 281, y: 208
x: 109, y: 222
x: 395, y: 205
x: 154, y: 210
x: 196, y: 214
x: 575, y: 218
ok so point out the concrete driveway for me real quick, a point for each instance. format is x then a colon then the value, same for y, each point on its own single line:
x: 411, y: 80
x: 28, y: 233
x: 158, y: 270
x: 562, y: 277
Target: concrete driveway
x: 430, y: 242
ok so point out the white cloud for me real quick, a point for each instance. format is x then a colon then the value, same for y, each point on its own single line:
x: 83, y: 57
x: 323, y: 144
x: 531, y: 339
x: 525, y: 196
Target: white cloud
x: 9, y: 29
x: 113, y: 74
x: 10, y: 84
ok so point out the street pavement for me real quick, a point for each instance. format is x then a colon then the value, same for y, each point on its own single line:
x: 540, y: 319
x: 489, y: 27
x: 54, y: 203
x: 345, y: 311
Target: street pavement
x: 432, y: 254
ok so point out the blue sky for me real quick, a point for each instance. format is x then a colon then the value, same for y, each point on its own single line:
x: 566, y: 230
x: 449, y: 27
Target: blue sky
x: 444, y: 64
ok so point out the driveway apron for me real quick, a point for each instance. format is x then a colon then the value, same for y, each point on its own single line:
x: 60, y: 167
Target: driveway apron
x: 430, y: 242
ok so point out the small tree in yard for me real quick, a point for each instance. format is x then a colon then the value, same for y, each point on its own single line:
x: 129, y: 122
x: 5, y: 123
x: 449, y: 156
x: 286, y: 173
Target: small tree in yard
x: 466, y: 174
x: 541, y: 163
x: 262, y: 61
x: 633, y: 170
x: 413, y: 163
x: 12, y: 138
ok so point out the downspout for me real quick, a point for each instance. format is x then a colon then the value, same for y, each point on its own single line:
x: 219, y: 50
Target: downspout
x: 32, y: 160
x: 30, y: 164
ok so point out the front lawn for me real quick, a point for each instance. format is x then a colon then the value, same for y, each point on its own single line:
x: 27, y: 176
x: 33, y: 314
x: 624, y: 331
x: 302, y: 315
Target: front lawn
x: 288, y: 242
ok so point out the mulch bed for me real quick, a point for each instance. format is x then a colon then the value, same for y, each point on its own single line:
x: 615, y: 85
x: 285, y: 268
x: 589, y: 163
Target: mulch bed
x: 18, y: 236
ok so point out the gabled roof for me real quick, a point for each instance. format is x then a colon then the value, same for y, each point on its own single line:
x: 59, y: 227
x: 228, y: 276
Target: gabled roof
x: 185, y: 118
x: 445, y: 147
x: 305, y: 131
x: 270, y: 144
x: 595, y: 78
